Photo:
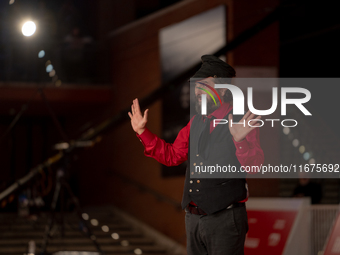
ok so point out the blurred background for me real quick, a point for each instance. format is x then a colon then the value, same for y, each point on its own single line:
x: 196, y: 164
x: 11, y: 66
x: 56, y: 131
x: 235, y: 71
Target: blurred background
x: 64, y: 95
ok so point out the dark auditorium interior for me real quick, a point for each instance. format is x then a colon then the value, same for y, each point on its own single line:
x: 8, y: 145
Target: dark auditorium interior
x: 74, y: 176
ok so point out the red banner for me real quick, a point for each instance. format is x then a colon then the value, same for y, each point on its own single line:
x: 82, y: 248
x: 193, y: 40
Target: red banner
x: 333, y: 245
x: 268, y: 231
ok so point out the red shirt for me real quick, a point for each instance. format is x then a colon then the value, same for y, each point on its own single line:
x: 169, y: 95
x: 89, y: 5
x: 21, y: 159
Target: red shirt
x: 248, y: 151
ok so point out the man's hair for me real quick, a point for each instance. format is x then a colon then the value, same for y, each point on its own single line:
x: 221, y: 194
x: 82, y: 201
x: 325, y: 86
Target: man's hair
x: 222, y: 73
x: 212, y: 66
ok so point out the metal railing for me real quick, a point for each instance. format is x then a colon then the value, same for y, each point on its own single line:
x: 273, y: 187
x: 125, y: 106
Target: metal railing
x: 322, y: 221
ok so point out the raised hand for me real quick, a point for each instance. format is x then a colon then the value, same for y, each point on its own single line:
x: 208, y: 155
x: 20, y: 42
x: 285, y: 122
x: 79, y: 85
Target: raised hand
x: 138, y: 121
x: 240, y: 131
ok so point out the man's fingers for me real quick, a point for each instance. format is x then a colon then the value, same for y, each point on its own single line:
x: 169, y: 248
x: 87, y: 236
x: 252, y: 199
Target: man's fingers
x: 257, y: 118
x: 136, y: 104
x: 256, y: 124
x: 251, y: 116
x: 246, y: 115
x: 146, y: 115
x: 130, y: 115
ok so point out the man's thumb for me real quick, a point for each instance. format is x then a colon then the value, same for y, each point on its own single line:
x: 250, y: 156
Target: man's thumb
x: 230, y: 117
x: 146, y: 114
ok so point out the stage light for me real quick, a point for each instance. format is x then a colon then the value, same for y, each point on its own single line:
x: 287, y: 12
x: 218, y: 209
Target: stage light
x: 52, y: 73
x: 312, y: 161
x: 49, y: 68
x: 11, y: 2
x: 306, y: 155
x: 115, y: 236
x: 41, y: 54
x: 295, y: 142
x: 105, y: 228
x: 286, y: 130
x: 85, y: 216
x: 302, y: 149
x: 94, y: 222
x: 138, y: 251
x: 124, y: 243
x: 28, y: 28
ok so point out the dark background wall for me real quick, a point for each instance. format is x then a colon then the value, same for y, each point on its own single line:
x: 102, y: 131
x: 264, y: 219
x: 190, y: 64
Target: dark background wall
x: 302, y: 43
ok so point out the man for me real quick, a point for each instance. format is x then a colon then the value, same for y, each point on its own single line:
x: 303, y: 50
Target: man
x: 307, y: 188
x: 216, y: 218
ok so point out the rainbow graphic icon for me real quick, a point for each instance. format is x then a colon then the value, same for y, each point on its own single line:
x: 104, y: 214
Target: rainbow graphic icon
x: 209, y: 93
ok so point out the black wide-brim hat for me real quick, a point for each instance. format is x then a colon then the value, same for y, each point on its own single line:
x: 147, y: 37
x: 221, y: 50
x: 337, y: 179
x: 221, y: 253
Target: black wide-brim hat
x: 214, y: 67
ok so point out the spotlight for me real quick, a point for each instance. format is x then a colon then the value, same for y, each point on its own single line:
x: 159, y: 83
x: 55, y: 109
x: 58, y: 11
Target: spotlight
x: 49, y: 68
x: 28, y: 28
x: 138, y: 251
x: 306, y: 155
x: 94, y: 222
x: 115, y: 236
x: 286, y: 130
x: 124, y: 243
x: 85, y: 216
x: 41, y: 54
x: 302, y: 149
x: 52, y: 73
x: 105, y: 228
x: 296, y: 142
x: 311, y: 161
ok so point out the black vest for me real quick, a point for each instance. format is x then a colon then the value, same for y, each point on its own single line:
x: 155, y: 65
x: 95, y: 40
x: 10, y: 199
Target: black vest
x: 212, y: 194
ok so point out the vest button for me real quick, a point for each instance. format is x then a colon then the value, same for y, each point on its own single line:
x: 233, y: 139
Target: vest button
x: 192, y: 173
x: 191, y: 181
x: 198, y: 181
x: 197, y: 155
x: 197, y: 190
x: 194, y: 164
x: 190, y: 190
x: 201, y: 163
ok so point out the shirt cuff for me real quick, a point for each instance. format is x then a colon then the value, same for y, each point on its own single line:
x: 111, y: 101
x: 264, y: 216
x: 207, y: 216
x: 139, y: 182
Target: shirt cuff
x: 146, y: 137
x: 241, y: 147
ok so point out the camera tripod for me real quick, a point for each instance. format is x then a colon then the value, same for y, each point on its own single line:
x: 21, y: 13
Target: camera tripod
x: 59, y: 195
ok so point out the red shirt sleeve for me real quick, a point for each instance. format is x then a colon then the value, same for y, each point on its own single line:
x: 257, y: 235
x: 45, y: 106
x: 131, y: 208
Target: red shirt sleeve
x: 169, y: 154
x: 249, y: 151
